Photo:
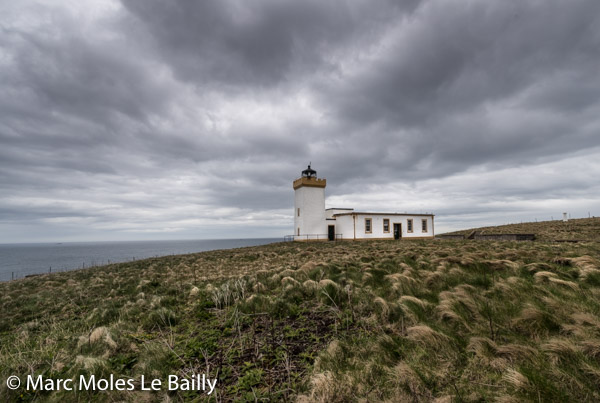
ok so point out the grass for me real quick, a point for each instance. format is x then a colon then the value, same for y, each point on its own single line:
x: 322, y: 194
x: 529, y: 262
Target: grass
x: 372, y: 321
x: 580, y: 229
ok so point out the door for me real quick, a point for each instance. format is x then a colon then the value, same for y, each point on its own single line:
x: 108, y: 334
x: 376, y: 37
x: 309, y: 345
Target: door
x: 331, y: 232
x: 397, y: 231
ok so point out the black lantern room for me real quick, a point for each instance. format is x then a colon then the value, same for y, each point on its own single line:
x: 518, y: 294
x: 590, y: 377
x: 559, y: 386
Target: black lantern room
x: 309, y: 173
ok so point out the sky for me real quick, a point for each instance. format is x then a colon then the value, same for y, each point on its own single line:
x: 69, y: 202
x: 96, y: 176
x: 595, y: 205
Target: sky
x: 154, y: 119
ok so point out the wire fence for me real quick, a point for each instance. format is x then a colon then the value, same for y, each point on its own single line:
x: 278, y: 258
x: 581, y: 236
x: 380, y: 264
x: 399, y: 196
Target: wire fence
x: 312, y: 237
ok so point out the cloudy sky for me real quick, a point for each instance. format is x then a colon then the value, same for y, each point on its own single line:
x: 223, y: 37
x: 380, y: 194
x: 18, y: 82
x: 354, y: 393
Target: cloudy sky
x: 156, y: 119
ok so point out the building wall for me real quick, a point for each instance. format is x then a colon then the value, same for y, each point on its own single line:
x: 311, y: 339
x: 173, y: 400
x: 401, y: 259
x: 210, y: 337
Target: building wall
x: 345, y: 225
x: 311, y: 201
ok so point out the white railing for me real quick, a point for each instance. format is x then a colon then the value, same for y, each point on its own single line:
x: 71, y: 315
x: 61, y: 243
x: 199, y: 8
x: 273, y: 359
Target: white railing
x: 311, y: 237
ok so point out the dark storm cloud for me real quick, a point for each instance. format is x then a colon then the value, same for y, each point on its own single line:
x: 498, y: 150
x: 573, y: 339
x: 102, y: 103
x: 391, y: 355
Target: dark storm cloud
x: 68, y: 101
x: 453, y: 55
x: 153, y: 115
x: 479, y: 82
x: 260, y: 44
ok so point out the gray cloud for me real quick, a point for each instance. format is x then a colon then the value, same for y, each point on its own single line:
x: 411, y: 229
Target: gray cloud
x: 258, y: 45
x: 190, y: 119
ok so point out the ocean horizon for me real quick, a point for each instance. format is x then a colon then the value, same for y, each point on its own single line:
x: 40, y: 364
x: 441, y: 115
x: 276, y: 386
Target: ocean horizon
x: 18, y: 260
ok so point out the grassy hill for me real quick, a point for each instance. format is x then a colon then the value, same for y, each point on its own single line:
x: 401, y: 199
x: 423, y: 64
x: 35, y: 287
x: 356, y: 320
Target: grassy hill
x: 576, y: 229
x: 372, y: 320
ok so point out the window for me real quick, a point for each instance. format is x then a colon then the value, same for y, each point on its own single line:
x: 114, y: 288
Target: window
x: 424, y: 225
x: 409, y: 225
x: 298, y: 211
x: 298, y: 231
x: 367, y: 225
x: 386, y: 225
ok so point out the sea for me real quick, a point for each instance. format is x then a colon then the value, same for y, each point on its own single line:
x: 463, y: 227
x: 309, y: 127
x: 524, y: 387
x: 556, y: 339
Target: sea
x: 20, y: 260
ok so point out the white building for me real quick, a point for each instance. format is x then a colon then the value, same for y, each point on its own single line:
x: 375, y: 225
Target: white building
x: 313, y: 222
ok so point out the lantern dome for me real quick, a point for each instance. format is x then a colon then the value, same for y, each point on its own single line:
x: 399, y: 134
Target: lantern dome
x: 309, y: 173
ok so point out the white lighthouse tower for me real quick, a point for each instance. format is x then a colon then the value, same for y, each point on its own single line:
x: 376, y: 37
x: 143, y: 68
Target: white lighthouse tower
x: 309, y: 206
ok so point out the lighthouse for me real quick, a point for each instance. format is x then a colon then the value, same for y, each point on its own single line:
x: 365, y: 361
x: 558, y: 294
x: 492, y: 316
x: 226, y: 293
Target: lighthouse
x: 309, y: 205
x: 313, y: 222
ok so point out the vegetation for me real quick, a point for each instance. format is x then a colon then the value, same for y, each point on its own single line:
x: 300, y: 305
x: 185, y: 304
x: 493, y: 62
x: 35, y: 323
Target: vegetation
x: 581, y: 229
x: 373, y: 321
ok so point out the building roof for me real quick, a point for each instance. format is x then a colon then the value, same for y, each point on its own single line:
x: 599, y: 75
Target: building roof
x: 390, y: 214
